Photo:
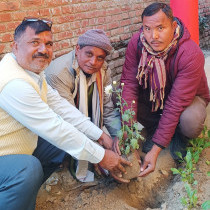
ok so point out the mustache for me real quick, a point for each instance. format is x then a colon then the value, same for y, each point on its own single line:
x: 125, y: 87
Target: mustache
x: 40, y: 55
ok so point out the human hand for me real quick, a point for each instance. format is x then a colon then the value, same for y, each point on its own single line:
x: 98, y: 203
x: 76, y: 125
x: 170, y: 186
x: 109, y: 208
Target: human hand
x: 116, y: 147
x: 106, y: 141
x: 149, y: 162
x: 118, y: 177
x: 113, y: 162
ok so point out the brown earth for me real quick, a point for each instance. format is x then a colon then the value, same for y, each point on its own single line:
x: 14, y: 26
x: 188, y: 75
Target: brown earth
x: 160, y: 190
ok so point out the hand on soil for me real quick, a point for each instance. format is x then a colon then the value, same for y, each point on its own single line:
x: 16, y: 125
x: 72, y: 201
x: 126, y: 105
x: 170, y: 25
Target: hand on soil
x: 149, y: 162
x: 113, y: 162
x: 119, y: 178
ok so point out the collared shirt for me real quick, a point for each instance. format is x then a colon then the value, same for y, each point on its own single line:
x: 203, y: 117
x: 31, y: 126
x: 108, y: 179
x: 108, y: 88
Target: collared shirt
x: 57, y: 121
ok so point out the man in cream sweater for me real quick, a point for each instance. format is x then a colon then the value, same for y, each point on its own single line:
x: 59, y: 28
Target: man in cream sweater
x: 30, y: 108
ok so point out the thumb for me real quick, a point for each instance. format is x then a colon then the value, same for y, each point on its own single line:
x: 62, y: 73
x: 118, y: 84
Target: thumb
x: 143, y: 167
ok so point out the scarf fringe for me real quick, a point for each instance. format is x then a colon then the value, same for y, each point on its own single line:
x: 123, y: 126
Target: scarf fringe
x: 152, y: 65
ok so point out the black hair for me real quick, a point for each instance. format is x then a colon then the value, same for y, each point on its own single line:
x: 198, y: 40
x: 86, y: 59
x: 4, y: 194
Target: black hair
x: 156, y: 7
x: 38, y: 26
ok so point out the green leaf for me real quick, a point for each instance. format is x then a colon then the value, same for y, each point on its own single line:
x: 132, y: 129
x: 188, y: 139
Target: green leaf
x: 208, y: 173
x: 206, y: 205
x: 208, y: 134
x: 125, y: 117
x: 134, y: 143
x: 179, y: 154
x: 175, y: 171
x: 120, y: 134
x: 207, y: 162
x: 184, y: 201
x: 127, y: 149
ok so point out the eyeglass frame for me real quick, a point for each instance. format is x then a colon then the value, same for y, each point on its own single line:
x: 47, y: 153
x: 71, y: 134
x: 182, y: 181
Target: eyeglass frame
x: 33, y: 19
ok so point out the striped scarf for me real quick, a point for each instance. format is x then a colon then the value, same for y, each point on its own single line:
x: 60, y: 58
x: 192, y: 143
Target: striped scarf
x: 152, y: 66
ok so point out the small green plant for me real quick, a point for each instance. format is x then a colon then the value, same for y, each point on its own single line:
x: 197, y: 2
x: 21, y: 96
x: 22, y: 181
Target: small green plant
x: 206, y: 205
x: 186, y: 172
x: 129, y: 134
x: 192, y: 198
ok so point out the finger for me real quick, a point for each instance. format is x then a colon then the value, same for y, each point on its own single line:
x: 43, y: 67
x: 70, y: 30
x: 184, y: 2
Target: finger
x: 97, y: 170
x: 120, y: 179
x: 122, y: 169
x: 118, y: 148
x: 146, y: 171
x: 145, y: 164
x: 125, y: 162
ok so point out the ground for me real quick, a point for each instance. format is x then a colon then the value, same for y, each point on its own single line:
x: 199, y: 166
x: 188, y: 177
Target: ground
x: 158, y: 191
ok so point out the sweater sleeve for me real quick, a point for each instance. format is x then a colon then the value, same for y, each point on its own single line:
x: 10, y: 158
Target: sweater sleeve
x: 190, y: 67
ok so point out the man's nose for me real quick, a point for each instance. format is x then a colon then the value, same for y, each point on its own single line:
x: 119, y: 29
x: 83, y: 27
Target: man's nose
x: 155, y: 34
x: 93, y: 60
x: 42, y: 48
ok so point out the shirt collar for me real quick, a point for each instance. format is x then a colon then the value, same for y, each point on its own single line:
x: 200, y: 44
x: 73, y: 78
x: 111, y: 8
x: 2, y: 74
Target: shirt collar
x: 38, y: 78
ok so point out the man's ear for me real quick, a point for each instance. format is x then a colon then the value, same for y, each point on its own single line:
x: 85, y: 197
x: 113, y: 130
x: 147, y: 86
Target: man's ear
x: 174, y: 25
x: 77, y: 49
x: 14, y: 47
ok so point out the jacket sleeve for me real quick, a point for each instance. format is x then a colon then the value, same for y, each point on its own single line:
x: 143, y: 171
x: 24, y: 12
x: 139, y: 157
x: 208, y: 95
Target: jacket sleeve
x: 128, y: 77
x: 190, y: 67
x: 63, y: 83
x: 110, y: 115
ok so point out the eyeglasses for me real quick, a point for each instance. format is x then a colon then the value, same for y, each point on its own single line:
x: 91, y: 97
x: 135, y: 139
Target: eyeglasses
x: 45, y: 20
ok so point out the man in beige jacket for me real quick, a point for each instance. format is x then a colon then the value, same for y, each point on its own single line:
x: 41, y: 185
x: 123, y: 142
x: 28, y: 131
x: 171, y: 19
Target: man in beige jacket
x: 81, y: 76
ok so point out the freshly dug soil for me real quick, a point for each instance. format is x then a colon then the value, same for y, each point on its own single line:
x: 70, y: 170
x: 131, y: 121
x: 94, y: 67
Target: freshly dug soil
x: 159, y: 190
x: 134, y: 170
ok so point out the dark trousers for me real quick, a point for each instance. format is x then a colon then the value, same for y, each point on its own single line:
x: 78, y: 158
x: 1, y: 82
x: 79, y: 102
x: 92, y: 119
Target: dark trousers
x: 21, y: 176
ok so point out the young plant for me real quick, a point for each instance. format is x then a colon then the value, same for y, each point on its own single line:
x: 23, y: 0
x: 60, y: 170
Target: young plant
x: 192, y: 198
x: 129, y: 134
x: 189, y: 162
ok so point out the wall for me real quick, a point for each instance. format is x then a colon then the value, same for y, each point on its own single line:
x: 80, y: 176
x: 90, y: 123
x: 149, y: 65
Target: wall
x: 119, y: 18
x: 204, y: 11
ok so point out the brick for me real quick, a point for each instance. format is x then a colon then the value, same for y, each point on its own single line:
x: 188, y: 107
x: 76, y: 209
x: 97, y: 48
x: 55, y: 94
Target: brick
x: 2, y: 48
x: 7, y: 37
x: 76, y: 24
x: 54, y: 3
x: 117, y: 31
x: 11, y: 26
x: 66, y: 9
x: 113, y: 11
x: 33, y: 13
x: 115, y: 54
x: 112, y: 25
x: 65, y: 44
x: 45, y: 12
x: 29, y: 3
x: 5, y: 17
x: 74, y: 41
x: 64, y: 19
x: 125, y: 22
x: 102, y: 27
x: 65, y: 35
x: 101, y: 20
x: 56, y: 11
x: 2, y: 28
x: 85, y: 23
x: 9, y: 6
x: 56, y: 28
x: 19, y: 15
